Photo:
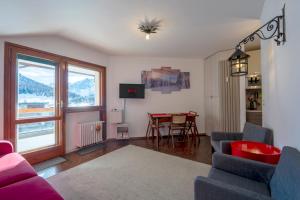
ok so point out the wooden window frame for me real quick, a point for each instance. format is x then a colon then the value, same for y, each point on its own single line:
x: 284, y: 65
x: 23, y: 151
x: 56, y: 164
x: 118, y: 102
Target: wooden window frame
x: 10, y: 100
x: 102, y: 98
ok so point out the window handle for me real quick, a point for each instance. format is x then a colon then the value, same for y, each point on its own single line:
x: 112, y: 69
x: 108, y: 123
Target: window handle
x: 60, y: 104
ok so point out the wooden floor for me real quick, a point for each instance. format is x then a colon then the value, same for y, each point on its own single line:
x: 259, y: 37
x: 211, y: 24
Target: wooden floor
x: 198, y: 149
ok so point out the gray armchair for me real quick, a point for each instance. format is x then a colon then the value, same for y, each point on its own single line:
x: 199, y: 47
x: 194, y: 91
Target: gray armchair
x: 233, y: 178
x: 220, y: 141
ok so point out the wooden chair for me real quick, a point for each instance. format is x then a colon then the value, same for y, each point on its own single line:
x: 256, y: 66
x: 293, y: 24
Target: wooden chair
x: 152, y: 126
x: 191, y: 123
x: 178, y: 123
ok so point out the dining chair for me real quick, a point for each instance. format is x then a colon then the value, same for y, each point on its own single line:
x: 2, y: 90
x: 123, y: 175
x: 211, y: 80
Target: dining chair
x: 191, y: 123
x: 150, y: 122
x: 178, y: 123
x: 152, y: 126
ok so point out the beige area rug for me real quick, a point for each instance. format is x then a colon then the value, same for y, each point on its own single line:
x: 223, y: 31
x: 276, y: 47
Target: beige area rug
x: 131, y: 173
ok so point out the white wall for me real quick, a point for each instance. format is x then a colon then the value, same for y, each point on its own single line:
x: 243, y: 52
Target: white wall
x: 254, y: 61
x: 120, y: 70
x: 59, y: 46
x: 281, y: 71
x: 128, y: 70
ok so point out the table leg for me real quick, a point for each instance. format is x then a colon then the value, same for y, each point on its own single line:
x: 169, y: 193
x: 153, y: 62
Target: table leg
x: 190, y: 128
x: 196, y: 131
x: 158, y: 134
x: 148, y: 130
x: 152, y: 131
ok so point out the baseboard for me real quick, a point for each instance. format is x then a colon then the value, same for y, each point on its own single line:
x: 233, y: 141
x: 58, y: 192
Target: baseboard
x: 144, y: 137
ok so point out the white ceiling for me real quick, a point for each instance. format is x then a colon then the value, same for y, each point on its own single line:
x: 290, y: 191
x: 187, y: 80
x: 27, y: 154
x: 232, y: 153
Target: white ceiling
x: 190, y: 28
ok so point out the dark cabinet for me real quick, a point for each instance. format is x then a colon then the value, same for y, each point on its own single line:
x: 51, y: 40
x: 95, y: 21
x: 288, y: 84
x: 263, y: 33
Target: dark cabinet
x: 254, y: 117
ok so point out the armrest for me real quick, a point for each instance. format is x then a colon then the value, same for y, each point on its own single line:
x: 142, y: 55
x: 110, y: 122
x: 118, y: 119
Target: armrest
x: 225, y: 146
x: 209, y: 189
x: 6, y: 147
x: 217, y: 136
x: 250, y: 169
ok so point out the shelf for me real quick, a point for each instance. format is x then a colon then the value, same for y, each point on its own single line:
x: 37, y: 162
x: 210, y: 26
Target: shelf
x: 254, y: 111
x: 253, y: 88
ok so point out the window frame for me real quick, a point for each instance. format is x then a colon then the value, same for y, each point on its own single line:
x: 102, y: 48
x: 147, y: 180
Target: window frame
x: 10, y: 100
x: 102, y: 87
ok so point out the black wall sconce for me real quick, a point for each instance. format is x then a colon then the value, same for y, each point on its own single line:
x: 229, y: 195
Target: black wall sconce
x: 275, y: 28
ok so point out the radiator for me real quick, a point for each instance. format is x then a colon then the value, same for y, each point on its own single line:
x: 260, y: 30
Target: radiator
x: 88, y: 133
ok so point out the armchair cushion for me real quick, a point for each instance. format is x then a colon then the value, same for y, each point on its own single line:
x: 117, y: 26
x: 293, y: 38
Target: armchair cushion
x: 14, y: 168
x: 254, y: 170
x: 286, y: 179
x: 210, y: 189
x: 239, y: 181
x: 257, y: 133
x: 6, y: 147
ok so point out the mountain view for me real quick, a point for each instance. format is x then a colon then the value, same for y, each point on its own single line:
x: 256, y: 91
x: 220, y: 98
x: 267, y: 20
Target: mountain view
x: 29, y: 86
x: 80, y: 92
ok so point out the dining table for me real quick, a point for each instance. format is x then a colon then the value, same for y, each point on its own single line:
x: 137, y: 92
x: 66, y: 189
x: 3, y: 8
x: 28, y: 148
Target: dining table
x: 167, y: 117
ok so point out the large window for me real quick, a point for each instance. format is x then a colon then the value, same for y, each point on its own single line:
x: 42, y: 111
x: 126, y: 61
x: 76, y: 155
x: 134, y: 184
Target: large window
x: 83, y: 87
x: 39, y: 89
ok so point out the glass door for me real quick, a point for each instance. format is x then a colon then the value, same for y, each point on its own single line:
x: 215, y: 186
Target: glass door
x: 36, y: 107
x: 36, y: 104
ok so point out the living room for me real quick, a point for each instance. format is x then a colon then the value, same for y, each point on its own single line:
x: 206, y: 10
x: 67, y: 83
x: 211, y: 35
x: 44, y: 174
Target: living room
x: 149, y: 100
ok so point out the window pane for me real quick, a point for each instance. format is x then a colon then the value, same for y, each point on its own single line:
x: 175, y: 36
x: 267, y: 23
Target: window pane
x: 35, y: 87
x: 83, y: 87
x: 35, y: 135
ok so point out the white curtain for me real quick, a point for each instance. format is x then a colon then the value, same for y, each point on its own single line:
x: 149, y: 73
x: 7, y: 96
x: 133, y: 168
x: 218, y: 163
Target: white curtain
x: 229, y: 99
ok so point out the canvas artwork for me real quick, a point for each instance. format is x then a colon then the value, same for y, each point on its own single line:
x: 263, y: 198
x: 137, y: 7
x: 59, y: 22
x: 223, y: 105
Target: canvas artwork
x: 166, y: 79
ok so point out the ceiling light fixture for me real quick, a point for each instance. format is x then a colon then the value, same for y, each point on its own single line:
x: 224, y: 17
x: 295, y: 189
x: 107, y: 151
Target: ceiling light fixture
x: 148, y: 27
x: 273, y: 28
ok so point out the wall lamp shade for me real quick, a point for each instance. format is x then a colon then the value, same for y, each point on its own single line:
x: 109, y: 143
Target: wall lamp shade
x: 239, y: 63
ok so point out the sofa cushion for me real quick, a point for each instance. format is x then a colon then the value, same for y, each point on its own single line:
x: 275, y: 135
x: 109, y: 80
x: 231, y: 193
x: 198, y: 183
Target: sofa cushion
x: 232, y: 179
x: 35, y: 188
x: 14, y: 168
x: 286, y: 179
x: 257, y: 133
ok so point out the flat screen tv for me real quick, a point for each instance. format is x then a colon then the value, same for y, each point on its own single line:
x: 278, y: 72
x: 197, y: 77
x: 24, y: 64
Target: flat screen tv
x: 132, y: 91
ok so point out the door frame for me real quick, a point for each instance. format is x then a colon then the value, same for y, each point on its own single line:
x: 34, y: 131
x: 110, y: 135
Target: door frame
x: 10, y: 101
x: 9, y: 98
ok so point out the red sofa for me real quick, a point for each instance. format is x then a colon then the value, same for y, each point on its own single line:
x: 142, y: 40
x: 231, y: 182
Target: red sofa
x: 18, y: 179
